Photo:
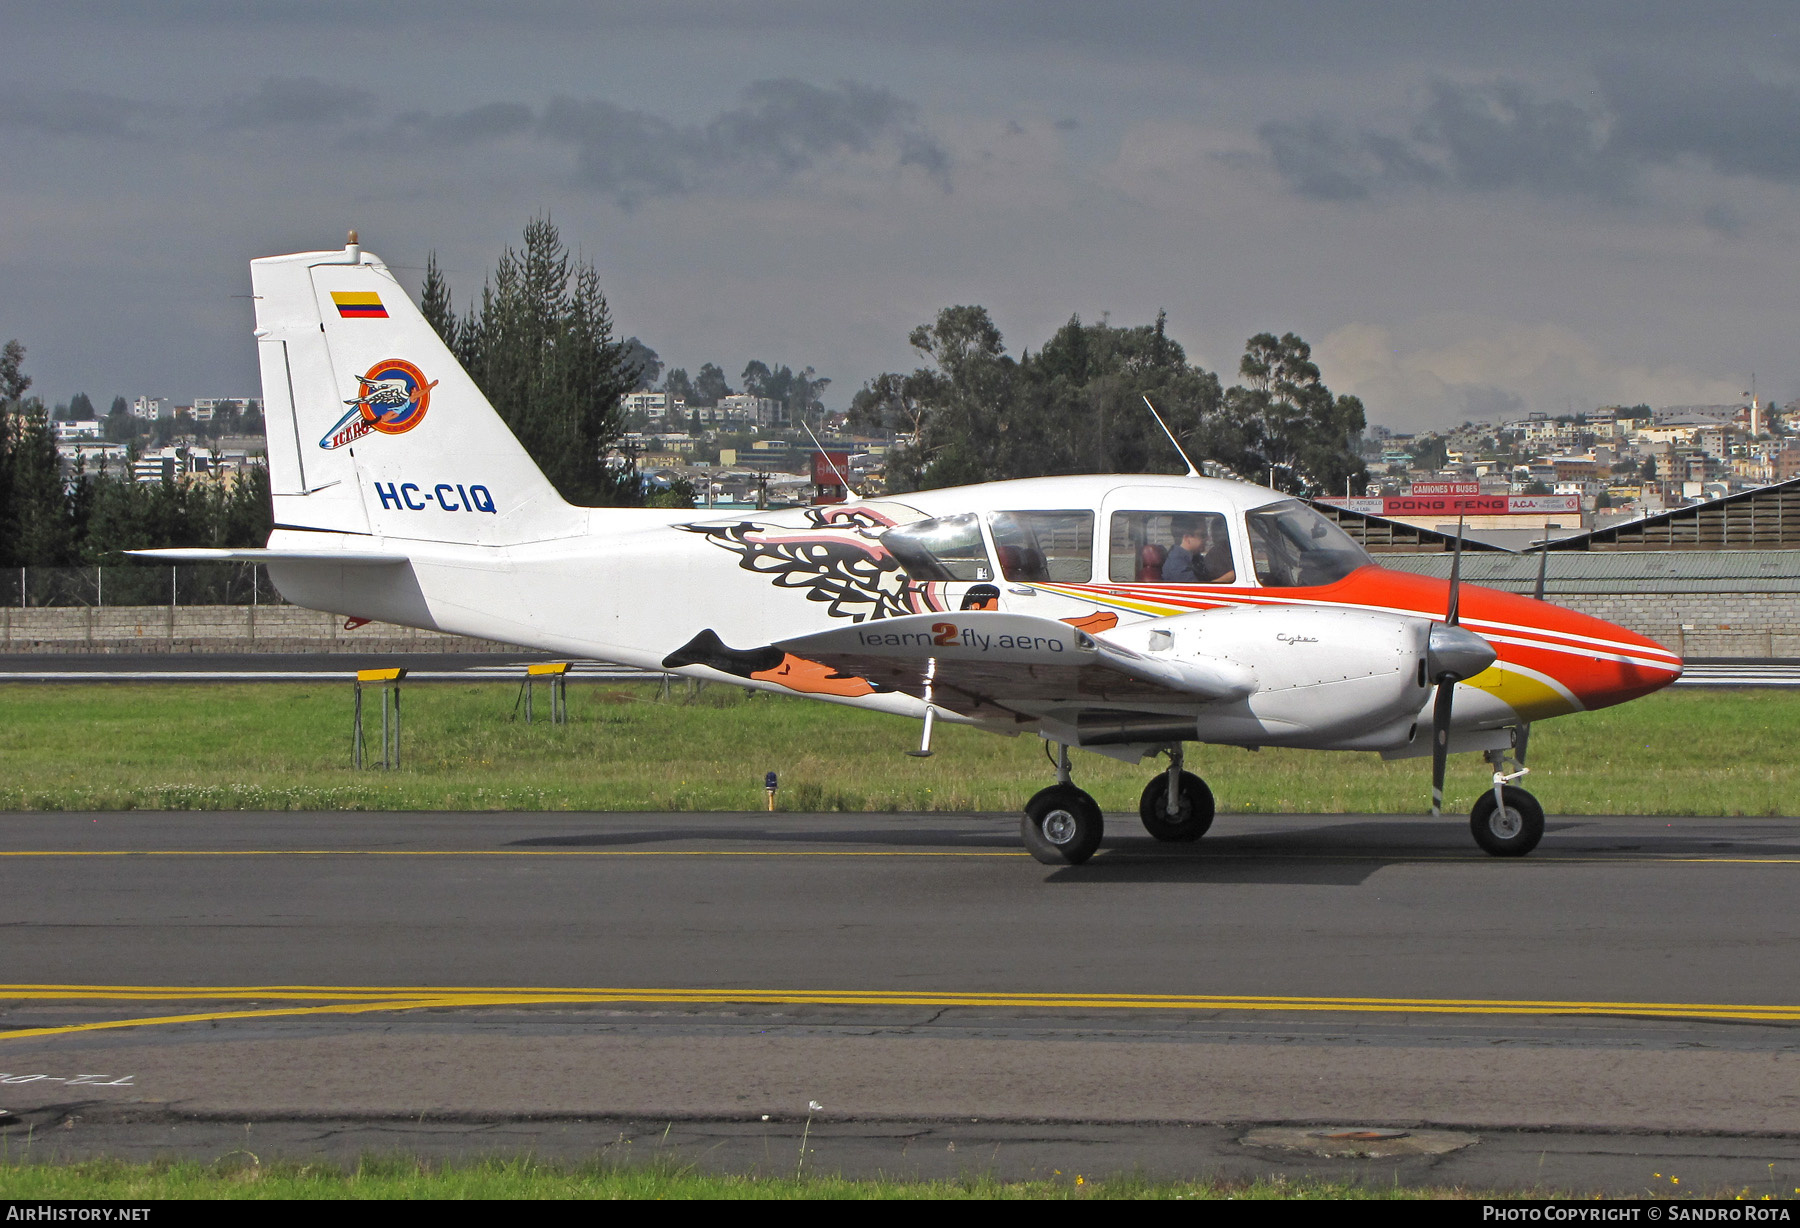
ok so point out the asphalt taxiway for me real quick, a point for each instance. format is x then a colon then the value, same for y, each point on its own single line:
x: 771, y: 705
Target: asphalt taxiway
x: 1627, y: 997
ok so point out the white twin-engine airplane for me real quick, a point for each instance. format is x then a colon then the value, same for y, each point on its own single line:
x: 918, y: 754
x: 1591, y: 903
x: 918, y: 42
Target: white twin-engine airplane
x: 1127, y: 615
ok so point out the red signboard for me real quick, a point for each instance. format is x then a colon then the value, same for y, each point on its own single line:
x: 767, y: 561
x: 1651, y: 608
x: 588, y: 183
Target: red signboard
x: 1456, y: 505
x: 1446, y: 488
x: 1461, y: 505
x: 831, y: 475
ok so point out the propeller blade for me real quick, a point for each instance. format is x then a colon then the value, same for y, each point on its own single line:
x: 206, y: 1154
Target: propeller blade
x: 1451, y: 618
x: 1440, y: 741
x: 1454, y: 654
x: 1543, y: 563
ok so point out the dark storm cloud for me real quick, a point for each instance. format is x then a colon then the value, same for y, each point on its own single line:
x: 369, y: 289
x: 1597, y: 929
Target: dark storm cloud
x: 277, y: 102
x: 1322, y: 161
x: 1502, y: 136
x: 296, y: 101
x: 1498, y: 136
x: 1218, y: 35
x: 1733, y: 123
x: 918, y: 149
x: 485, y: 123
x: 781, y: 128
x: 628, y: 153
x: 1482, y: 138
x: 65, y: 113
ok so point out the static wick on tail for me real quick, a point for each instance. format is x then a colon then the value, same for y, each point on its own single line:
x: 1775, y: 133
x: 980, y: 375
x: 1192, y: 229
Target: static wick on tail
x: 1192, y: 472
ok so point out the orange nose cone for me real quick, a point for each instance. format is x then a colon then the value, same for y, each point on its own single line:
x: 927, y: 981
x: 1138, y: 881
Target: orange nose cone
x: 1595, y: 662
x: 1551, y: 660
x: 1603, y: 663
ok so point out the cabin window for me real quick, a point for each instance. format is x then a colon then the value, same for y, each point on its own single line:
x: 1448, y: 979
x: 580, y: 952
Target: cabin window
x: 948, y: 548
x: 1170, y: 548
x: 1044, y: 547
x: 1295, y: 547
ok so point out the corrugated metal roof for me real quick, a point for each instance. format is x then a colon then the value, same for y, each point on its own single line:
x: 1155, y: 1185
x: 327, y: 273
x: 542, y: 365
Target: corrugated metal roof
x: 1675, y: 571
x: 1627, y: 529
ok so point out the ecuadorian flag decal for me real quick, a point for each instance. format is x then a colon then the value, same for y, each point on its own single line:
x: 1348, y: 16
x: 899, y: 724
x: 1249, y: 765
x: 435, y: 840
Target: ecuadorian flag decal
x: 359, y: 304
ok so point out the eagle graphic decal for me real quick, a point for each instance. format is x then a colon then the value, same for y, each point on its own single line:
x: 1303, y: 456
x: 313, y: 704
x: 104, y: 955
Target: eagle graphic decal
x: 836, y: 558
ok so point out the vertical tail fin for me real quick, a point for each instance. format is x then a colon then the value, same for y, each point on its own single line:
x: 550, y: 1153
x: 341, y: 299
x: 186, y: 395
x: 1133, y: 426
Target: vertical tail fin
x: 373, y: 426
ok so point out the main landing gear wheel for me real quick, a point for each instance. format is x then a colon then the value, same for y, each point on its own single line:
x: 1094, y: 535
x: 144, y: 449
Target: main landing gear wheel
x: 1512, y: 830
x: 1062, y: 826
x: 1193, y: 809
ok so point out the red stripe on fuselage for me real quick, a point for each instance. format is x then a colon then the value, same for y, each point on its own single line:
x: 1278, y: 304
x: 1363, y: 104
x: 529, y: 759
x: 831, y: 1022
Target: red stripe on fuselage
x: 1600, y: 662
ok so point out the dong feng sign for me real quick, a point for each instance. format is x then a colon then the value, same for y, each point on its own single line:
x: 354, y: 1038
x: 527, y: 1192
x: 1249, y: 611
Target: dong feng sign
x: 1417, y: 504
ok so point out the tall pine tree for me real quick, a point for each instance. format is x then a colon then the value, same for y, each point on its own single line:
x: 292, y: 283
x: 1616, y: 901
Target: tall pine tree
x: 540, y: 346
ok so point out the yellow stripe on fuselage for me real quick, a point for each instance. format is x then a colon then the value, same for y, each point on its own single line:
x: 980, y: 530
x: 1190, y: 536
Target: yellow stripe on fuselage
x: 1533, y: 695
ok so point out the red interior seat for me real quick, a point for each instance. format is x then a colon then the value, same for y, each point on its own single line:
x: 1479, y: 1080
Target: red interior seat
x: 1150, y: 564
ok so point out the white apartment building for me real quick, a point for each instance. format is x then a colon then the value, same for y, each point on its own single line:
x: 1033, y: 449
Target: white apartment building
x: 742, y: 407
x: 658, y: 406
x: 205, y: 407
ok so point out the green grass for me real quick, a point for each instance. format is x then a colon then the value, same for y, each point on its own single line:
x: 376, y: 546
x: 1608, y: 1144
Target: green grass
x: 239, y: 1175
x: 287, y: 746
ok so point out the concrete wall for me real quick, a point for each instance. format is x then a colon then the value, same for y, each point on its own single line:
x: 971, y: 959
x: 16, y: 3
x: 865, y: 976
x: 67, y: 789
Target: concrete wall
x: 212, y: 628
x: 1702, y: 624
x: 1701, y: 604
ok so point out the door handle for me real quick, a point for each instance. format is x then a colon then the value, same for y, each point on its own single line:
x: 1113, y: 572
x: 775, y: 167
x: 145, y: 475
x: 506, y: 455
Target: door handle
x: 1023, y: 590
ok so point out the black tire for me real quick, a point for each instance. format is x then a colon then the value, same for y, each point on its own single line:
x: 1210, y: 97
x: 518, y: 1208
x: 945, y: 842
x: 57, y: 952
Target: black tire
x: 1194, y: 814
x: 1512, y: 832
x: 1062, y: 826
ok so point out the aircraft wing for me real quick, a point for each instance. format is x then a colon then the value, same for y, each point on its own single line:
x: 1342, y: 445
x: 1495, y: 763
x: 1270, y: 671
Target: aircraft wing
x: 984, y: 664
x: 203, y: 555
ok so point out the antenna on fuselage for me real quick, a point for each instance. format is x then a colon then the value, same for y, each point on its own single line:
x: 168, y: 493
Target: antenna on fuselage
x: 1192, y: 472
x: 842, y: 476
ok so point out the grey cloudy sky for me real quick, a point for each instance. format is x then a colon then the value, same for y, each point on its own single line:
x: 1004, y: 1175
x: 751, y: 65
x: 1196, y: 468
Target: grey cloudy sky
x: 1468, y: 210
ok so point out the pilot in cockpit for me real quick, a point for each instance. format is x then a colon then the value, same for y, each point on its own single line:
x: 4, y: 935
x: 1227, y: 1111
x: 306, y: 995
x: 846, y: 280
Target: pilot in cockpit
x: 1200, y: 555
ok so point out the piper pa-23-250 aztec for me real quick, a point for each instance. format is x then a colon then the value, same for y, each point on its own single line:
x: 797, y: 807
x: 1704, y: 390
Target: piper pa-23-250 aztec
x: 1127, y: 615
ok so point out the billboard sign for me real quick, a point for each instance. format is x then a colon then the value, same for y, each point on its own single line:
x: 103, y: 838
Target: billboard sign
x: 1461, y: 505
x: 830, y: 470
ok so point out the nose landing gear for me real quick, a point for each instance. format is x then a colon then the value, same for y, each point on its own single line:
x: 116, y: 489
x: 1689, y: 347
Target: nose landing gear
x: 1507, y: 821
x: 1507, y: 829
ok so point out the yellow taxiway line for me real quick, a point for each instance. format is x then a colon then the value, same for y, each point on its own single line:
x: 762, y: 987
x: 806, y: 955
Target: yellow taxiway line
x: 305, y: 1000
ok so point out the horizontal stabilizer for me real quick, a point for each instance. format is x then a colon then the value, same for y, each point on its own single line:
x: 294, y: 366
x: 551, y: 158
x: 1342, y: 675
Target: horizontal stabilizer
x: 200, y: 555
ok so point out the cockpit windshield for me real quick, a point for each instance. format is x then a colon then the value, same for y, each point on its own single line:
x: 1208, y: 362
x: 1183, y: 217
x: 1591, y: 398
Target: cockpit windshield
x: 948, y: 548
x: 1295, y: 547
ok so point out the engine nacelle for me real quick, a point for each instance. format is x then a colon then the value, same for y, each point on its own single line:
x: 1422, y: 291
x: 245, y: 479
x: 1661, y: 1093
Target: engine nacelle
x: 1325, y: 678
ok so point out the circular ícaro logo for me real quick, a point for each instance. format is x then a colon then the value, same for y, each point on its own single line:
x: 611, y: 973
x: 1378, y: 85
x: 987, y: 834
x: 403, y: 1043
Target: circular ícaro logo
x: 392, y: 399
x: 395, y: 396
